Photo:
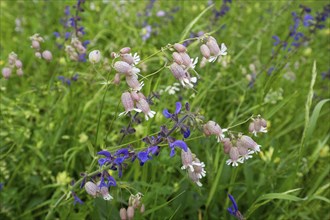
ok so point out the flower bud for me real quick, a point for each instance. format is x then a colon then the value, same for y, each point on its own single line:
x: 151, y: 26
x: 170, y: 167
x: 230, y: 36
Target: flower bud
x: 205, y: 51
x: 143, y: 208
x: 213, y: 46
x: 125, y: 50
x: 19, y: 72
x: 143, y: 105
x: 180, y: 48
x: 91, y: 188
x: 18, y: 64
x: 248, y: 142
x: 38, y: 55
x: 186, y: 59
x: 116, y: 79
x: 227, y: 145
x: 234, y: 156
x: 127, y: 58
x: 94, y: 56
x: 105, y: 193
x: 135, y: 96
x: 177, y: 58
x: 47, y: 55
x: 123, y: 214
x: 177, y: 71
x: 130, y: 212
x: 127, y: 101
x: 212, y: 127
x: 35, y: 44
x: 134, y: 83
x: 12, y: 58
x: 122, y: 67
x: 6, y: 72
x: 186, y: 158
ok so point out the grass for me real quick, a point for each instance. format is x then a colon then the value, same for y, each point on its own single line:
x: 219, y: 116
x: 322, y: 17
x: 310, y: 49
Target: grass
x: 51, y: 132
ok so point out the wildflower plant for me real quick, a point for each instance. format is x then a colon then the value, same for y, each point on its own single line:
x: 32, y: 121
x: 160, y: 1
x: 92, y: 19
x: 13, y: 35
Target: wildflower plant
x: 163, y: 113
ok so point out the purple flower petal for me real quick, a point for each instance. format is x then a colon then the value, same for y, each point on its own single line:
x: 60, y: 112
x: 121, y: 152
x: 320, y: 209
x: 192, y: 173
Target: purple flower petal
x: 111, y: 181
x: 178, y: 107
x: 167, y: 114
x: 104, y: 153
x: 172, y: 152
x: 143, y: 157
x: 181, y: 144
x: 234, y: 202
x: 123, y: 151
x: 102, y: 161
x: 119, y: 160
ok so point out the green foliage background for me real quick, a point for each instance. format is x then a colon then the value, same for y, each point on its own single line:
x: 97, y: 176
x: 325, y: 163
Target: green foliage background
x: 49, y: 131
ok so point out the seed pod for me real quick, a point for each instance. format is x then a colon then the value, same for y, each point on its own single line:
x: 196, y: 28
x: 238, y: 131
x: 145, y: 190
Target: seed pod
x: 213, y: 46
x: 177, y: 58
x: 180, y: 48
x: 91, y: 188
x: 177, y: 71
x: 125, y: 50
x: 94, y: 56
x: 127, y: 58
x: 127, y: 101
x: 205, y: 51
x: 123, y: 214
x: 6, y: 72
x: 186, y: 59
x: 122, y: 67
x: 47, y: 55
x: 130, y: 212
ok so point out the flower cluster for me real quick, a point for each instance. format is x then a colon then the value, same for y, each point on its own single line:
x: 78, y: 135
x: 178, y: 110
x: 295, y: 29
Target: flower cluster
x: 36, y: 39
x: 13, y: 62
x: 211, y: 50
x: 134, y: 202
x: 193, y: 165
x: 182, y: 64
x: 76, y: 50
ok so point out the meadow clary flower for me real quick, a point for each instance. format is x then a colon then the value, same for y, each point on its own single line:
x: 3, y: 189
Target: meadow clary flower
x: 177, y: 143
x: 233, y: 210
x: 76, y: 198
x: 167, y: 114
